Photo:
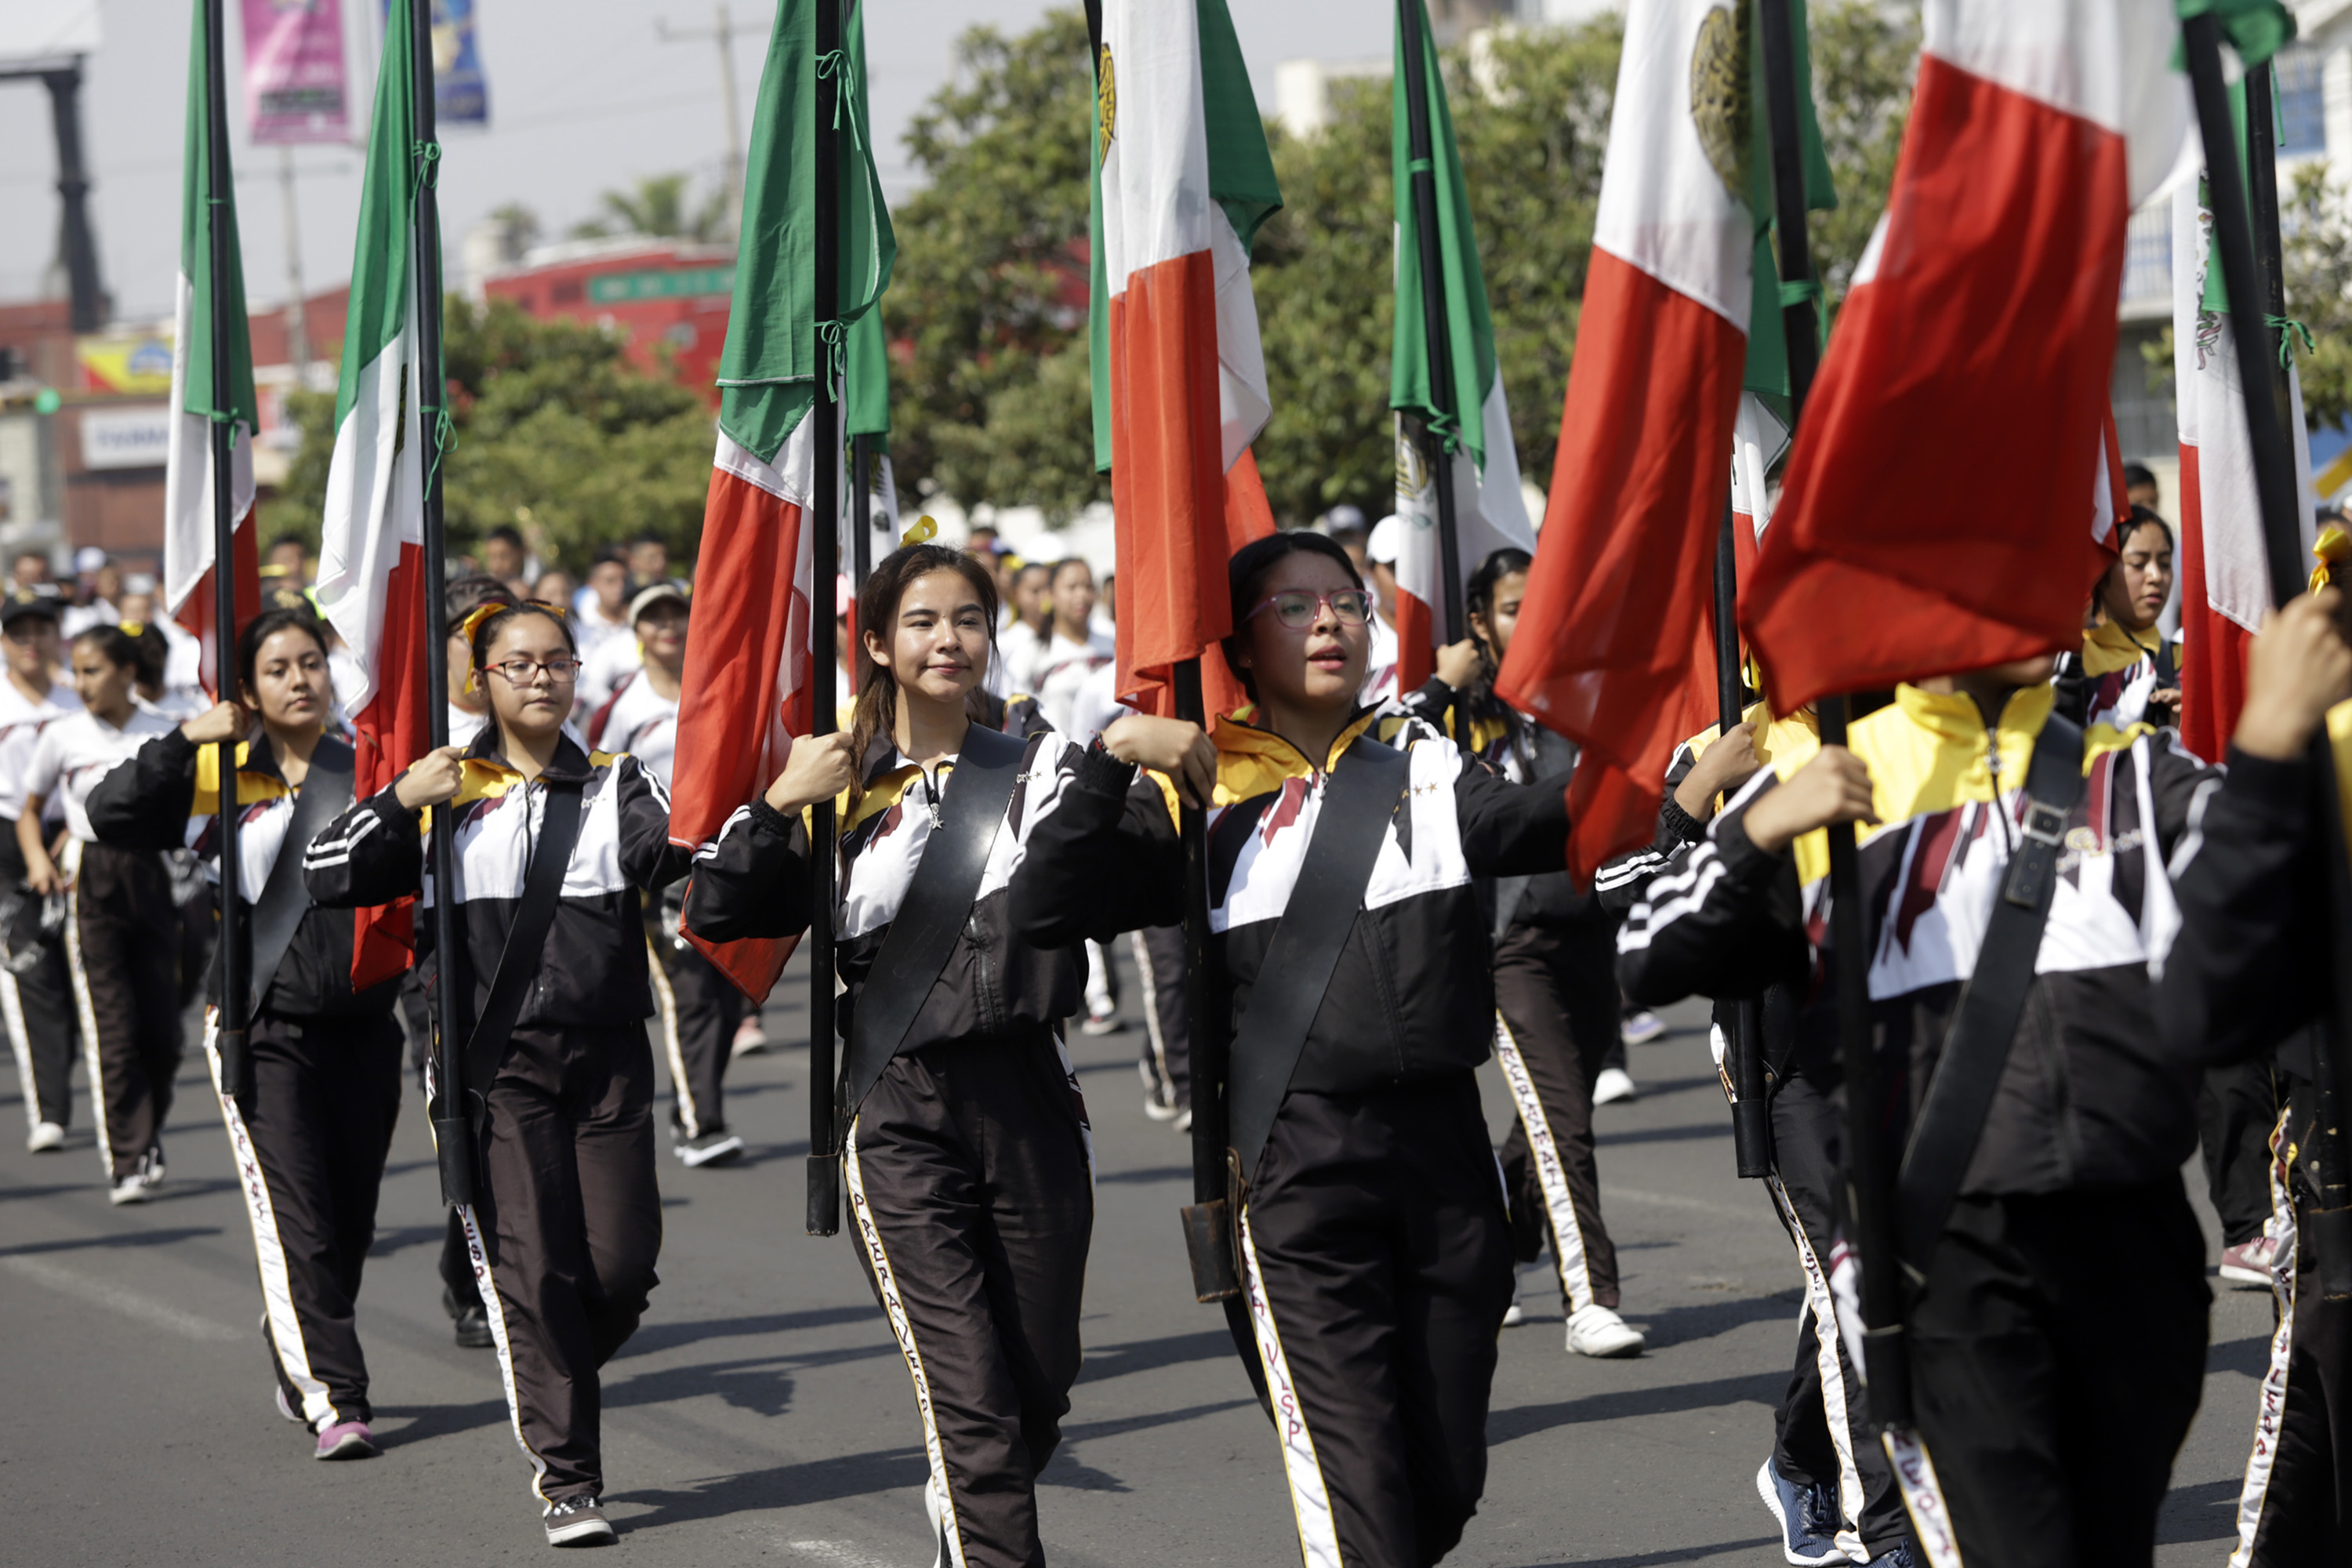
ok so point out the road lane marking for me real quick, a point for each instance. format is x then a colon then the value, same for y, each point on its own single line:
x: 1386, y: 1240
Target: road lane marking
x: 130, y: 1303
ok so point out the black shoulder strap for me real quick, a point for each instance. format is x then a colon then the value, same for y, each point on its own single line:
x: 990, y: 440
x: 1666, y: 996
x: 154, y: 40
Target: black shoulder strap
x: 520, y: 959
x: 326, y: 793
x: 1984, y: 1024
x: 2167, y: 670
x: 937, y: 903
x: 1357, y: 802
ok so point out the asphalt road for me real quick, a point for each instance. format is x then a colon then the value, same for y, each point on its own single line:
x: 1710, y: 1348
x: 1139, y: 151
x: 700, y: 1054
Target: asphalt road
x: 764, y: 1414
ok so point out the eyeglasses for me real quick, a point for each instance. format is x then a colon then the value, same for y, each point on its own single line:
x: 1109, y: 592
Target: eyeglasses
x: 1295, y: 607
x: 523, y: 671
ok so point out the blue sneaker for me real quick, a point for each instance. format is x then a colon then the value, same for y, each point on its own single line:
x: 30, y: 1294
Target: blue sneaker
x: 1802, y: 1513
x: 1895, y: 1556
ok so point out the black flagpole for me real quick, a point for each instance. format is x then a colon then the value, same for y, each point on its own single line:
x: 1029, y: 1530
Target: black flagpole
x: 229, y: 1038
x: 453, y: 1134
x: 824, y: 1146
x: 1751, y: 1106
x: 1435, y: 339
x: 2247, y: 277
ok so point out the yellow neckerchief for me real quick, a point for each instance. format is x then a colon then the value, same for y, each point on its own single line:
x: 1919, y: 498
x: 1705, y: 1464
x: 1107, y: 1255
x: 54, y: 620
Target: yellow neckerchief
x: 2339, y: 735
x: 1929, y: 751
x: 259, y: 782
x: 2109, y: 647
x: 1794, y: 736
x: 1252, y: 761
x: 1485, y: 730
x: 483, y: 776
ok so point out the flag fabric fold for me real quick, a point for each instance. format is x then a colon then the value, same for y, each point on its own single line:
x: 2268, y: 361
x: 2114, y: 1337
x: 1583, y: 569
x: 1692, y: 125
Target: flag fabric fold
x: 1473, y: 420
x: 189, y: 532
x: 372, y: 583
x: 1183, y: 179
x: 1614, y: 621
x: 747, y: 658
x: 1982, y: 324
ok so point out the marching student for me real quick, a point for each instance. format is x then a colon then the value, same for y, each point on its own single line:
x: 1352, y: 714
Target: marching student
x: 966, y: 1157
x: 1555, y: 981
x: 2066, y: 1273
x: 35, y: 992
x: 553, y: 844
x: 2124, y: 673
x: 122, y: 929
x: 312, y: 1129
x: 699, y: 1007
x: 2254, y: 969
x: 1372, y: 1239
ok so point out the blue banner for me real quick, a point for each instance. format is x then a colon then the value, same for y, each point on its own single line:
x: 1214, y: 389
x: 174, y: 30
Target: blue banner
x: 461, y: 93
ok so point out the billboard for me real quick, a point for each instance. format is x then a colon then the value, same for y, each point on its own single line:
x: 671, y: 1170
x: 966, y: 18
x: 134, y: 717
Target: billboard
x: 461, y: 93
x: 294, y: 89
x: 125, y: 361
x: 48, y: 29
x: 126, y: 437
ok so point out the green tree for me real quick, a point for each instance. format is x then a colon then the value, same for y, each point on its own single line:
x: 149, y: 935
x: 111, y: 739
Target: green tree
x: 555, y: 433
x: 2317, y: 260
x: 1865, y: 58
x: 657, y: 208
x: 990, y: 290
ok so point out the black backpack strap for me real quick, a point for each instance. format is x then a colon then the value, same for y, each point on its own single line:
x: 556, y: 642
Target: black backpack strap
x: 326, y: 794
x: 936, y: 904
x: 1976, y: 1044
x: 1357, y: 802
x: 520, y: 959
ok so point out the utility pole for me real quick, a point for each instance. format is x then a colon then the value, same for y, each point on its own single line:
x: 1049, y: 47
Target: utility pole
x: 298, y: 326
x: 77, y: 250
x: 722, y: 32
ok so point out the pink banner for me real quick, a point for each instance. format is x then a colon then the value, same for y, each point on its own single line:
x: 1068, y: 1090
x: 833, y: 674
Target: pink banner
x: 294, y: 70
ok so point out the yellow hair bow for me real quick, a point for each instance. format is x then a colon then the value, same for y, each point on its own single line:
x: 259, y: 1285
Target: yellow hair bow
x: 2334, y: 549
x: 472, y: 624
x: 926, y: 528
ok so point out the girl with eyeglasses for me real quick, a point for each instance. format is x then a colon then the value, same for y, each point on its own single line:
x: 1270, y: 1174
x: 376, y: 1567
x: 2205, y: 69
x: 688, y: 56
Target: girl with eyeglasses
x: 1375, y: 1253
x: 313, y: 1128
x: 567, y: 1220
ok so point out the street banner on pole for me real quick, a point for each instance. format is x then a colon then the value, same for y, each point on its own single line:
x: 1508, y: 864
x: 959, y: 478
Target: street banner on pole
x: 1183, y: 179
x: 461, y: 91
x: 373, y: 580
x: 747, y: 659
x: 189, y: 538
x: 294, y: 88
x: 1978, y: 337
x: 1471, y: 416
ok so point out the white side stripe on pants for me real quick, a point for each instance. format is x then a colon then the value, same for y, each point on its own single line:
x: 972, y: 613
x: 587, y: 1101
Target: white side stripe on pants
x: 689, y: 1118
x: 2272, y: 1410
x: 938, y: 1495
x: 12, y: 1008
x: 1567, y: 1236
x: 491, y: 1309
x: 1835, y: 1410
x: 88, y: 1015
x: 269, y: 1251
x: 1318, y: 1539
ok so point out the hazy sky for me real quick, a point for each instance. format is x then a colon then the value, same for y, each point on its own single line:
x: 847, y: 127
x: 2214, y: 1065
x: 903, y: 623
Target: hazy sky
x: 585, y: 96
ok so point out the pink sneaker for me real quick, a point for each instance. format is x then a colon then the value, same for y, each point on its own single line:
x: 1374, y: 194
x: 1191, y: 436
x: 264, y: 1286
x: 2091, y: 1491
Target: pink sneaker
x: 2250, y: 1262
x: 346, y: 1440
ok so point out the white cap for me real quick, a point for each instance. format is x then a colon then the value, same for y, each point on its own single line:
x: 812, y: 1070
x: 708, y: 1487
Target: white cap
x: 88, y: 558
x: 1387, y: 540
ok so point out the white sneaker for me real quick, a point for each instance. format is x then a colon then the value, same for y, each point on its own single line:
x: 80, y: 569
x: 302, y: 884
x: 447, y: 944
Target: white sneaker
x: 1160, y: 1110
x: 1613, y: 1084
x: 1595, y: 1331
x: 1640, y: 1028
x: 131, y: 1189
x: 1512, y: 1316
x: 44, y: 1137
x: 1101, y: 1023
x: 750, y: 1039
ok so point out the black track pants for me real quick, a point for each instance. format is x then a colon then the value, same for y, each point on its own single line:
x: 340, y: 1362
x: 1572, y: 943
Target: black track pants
x: 567, y: 1226
x: 122, y: 949
x: 971, y: 1197
x: 1556, y: 988
x: 1821, y: 1433
x: 2236, y: 1106
x: 697, y: 1010
x: 2296, y: 1505
x: 1379, y: 1268
x: 310, y: 1139
x: 2057, y: 1353
x: 38, y: 1007
x: 1167, y: 1012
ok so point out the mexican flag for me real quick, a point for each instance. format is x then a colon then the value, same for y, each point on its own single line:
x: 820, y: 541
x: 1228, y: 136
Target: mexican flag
x: 748, y: 657
x: 1472, y: 419
x: 189, y: 595
x: 1979, y: 339
x: 372, y: 572
x: 1613, y: 623
x: 1183, y: 179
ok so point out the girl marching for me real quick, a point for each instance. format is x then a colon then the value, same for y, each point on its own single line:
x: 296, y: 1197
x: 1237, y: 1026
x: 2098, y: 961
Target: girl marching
x: 1374, y: 1250
x: 122, y: 930
x: 966, y: 1157
x: 567, y: 1221
x: 311, y: 1132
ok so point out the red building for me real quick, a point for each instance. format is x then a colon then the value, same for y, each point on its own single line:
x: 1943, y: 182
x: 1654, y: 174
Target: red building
x: 666, y: 298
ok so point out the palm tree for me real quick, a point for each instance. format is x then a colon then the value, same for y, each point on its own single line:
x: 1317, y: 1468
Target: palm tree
x: 657, y: 208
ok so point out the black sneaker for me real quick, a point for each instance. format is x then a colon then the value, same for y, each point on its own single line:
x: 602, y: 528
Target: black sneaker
x: 579, y: 1521
x: 715, y: 1147
x: 471, y: 1321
